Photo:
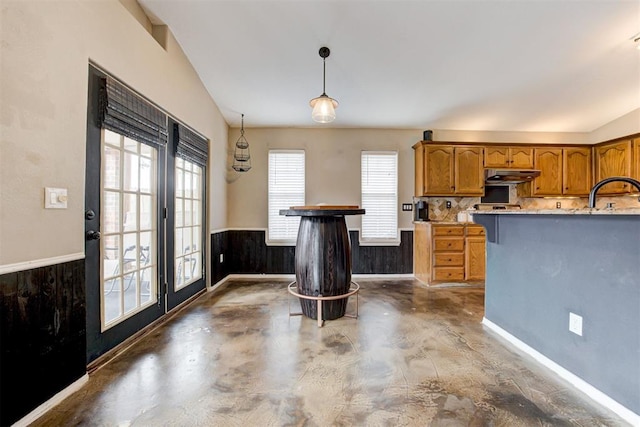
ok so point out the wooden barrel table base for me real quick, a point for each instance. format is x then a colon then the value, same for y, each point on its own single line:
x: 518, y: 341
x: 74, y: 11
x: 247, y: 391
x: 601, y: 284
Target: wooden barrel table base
x: 354, y: 288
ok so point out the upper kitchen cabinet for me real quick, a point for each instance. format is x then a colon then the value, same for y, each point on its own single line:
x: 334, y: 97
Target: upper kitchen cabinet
x: 418, y: 157
x: 447, y: 170
x: 438, y: 167
x: 636, y: 158
x: 613, y: 159
x: 469, y: 171
x: 549, y: 162
x: 564, y: 171
x: 508, y: 157
x: 576, y: 171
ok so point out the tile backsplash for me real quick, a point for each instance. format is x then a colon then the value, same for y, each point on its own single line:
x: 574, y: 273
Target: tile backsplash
x: 439, y: 212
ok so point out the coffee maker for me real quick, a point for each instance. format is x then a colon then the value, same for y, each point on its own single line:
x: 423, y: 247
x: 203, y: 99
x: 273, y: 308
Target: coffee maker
x: 421, y: 211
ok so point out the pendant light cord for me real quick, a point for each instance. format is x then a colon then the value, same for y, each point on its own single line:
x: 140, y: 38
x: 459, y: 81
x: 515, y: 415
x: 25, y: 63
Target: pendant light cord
x: 324, y: 74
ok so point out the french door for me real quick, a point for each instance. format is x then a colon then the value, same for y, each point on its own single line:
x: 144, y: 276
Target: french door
x: 144, y: 217
x: 185, y: 222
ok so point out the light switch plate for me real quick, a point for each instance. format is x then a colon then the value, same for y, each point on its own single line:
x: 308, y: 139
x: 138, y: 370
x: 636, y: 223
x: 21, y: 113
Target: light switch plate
x: 55, y: 198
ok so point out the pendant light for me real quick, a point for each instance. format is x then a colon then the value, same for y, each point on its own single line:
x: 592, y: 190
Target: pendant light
x: 241, y: 155
x: 324, y: 107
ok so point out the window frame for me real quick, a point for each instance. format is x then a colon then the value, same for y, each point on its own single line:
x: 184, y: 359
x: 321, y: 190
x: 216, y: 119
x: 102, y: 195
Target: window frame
x: 379, y: 241
x: 291, y: 241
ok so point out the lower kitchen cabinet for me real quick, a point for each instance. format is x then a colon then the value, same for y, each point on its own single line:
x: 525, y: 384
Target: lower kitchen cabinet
x: 449, y: 253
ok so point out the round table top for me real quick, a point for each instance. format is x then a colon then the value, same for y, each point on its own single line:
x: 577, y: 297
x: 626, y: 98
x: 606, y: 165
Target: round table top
x: 322, y: 210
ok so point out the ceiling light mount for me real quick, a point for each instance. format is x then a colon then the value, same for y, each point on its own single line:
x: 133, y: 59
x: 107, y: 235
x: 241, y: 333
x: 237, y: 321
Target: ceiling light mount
x: 324, y: 107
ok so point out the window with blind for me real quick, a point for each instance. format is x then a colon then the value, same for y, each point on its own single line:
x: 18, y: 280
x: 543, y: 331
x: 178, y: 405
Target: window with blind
x: 379, y: 196
x: 286, y: 189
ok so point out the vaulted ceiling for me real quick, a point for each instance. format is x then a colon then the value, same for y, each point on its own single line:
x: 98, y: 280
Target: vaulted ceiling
x: 564, y: 66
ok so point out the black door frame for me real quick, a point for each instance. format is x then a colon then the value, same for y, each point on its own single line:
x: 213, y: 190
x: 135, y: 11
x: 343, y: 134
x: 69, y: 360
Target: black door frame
x: 175, y: 298
x: 99, y: 342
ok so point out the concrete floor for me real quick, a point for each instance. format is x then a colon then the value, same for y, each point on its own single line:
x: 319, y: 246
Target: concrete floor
x: 417, y: 356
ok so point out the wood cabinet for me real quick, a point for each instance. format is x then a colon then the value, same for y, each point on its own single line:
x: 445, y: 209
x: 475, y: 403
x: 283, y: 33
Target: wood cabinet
x: 549, y: 162
x: 613, y: 159
x: 474, y: 253
x: 564, y: 171
x: 438, y: 170
x: 636, y: 158
x: 576, y: 171
x: 469, y: 171
x: 447, y: 170
x: 418, y: 157
x: 512, y: 157
x: 449, y: 253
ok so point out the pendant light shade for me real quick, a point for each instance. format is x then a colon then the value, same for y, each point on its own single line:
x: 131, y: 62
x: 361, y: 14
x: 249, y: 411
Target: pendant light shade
x: 324, y: 107
x: 241, y: 155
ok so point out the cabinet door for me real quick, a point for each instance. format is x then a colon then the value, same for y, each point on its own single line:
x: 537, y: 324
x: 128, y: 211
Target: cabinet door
x: 474, y: 263
x: 613, y: 160
x: 469, y: 171
x: 636, y: 158
x: 438, y: 170
x: 419, y: 170
x: 549, y: 162
x: 521, y: 157
x: 421, y: 253
x: 496, y: 157
x: 576, y: 171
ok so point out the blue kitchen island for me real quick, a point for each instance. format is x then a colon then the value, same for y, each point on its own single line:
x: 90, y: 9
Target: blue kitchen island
x: 544, y: 265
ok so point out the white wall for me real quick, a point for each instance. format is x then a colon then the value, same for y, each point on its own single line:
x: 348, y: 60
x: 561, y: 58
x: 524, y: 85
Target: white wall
x: 332, y: 169
x: 46, y: 47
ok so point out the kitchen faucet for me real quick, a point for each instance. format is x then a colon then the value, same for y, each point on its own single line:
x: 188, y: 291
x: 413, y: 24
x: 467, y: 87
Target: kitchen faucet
x: 594, y: 190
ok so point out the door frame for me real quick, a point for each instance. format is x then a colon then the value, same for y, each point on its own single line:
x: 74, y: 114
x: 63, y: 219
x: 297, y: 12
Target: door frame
x: 98, y: 341
x: 176, y: 298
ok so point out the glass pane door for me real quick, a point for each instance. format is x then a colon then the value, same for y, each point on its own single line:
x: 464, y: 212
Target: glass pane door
x: 188, y: 223
x: 129, y: 228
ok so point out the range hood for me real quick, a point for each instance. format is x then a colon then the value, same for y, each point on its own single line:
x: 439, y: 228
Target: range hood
x: 509, y: 176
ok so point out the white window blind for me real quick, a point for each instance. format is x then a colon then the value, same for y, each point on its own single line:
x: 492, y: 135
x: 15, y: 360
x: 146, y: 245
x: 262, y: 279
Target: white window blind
x: 286, y: 189
x: 380, y: 195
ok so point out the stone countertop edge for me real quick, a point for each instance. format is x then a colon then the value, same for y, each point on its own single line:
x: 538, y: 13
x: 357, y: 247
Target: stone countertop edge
x: 585, y: 211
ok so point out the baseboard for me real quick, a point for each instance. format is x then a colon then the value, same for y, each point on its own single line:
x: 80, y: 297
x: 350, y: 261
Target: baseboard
x: 383, y: 276
x: 51, y: 403
x: 577, y: 382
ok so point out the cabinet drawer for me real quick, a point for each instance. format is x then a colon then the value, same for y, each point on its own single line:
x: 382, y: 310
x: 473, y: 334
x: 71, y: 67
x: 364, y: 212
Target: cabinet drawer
x: 448, y: 273
x: 448, y: 260
x: 448, y: 244
x: 475, y: 231
x: 443, y: 230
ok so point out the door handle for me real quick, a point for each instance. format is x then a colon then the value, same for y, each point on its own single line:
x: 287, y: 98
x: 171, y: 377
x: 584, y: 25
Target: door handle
x: 93, y: 235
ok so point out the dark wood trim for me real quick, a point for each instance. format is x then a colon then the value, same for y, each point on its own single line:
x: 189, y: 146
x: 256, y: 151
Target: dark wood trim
x: 246, y: 252
x: 43, y: 335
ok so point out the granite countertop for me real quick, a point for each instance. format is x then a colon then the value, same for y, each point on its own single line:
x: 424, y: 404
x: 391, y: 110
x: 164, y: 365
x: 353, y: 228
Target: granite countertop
x: 584, y: 211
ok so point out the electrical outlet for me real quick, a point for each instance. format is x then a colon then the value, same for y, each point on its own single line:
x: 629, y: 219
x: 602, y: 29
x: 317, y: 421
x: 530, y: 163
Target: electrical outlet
x: 448, y: 204
x: 221, y: 258
x: 407, y: 207
x: 558, y: 205
x: 575, y: 323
